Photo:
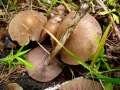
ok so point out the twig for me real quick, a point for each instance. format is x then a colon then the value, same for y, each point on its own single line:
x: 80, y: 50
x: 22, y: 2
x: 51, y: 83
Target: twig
x: 4, y: 7
x: 66, y: 5
x: 43, y: 48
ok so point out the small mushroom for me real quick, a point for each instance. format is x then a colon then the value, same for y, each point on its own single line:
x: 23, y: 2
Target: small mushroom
x: 27, y: 25
x: 64, y: 25
x: 56, y: 16
x: 52, y: 25
x: 13, y: 86
x: 81, y: 84
x: 42, y: 70
x: 83, y: 41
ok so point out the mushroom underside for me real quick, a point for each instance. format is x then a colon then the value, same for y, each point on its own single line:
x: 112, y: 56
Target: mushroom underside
x: 42, y: 70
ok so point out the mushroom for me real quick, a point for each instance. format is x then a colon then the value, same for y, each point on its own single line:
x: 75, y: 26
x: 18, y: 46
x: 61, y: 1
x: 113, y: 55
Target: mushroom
x: 81, y: 84
x: 13, y: 86
x: 83, y: 40
x: 64, y: 25
x: 42, y: 70
x: 52, y: 25
x: 27, y: 25
x: 56, y: 16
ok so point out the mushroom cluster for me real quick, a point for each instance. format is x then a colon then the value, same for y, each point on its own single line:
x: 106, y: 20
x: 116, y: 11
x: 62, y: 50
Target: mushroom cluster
x: 30, y: 25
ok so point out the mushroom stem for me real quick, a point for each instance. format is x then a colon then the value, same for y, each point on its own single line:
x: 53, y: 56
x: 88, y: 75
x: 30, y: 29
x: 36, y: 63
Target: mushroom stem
x: 50, y: 59
x: 53, y: 37
x: 43, y: 48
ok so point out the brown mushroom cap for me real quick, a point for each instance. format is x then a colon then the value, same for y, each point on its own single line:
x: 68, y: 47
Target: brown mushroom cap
x: 56, y: 16
x: 26, y: 26
x: 64, y: 25
x: 83, y: 40
x: 42, y: 71
x: 13, y: 86
x: 52, y: 25
x: 81, y: 84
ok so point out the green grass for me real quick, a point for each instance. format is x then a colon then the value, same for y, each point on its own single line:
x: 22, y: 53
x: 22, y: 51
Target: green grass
x: 100, y: 49
x: 12, y: 60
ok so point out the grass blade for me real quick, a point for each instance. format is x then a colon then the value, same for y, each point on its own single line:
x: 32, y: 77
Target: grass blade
x: 27, y: 64
x: 101, y: 44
